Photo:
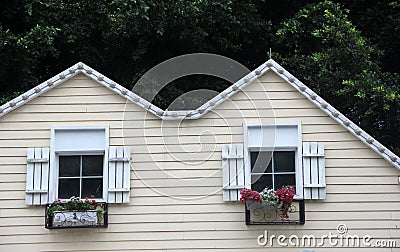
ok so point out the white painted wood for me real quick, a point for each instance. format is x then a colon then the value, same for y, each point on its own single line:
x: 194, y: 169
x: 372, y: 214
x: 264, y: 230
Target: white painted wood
x: 118, y: 190
x: 126, y: 174
x: 273, y: 134
x: 118, y: 159
x: 232, y: 172
x: 306, y: 171
x: 79, y: 138
x: 225, y: 173
x: 111, y: 174
x: 53, y: 170
x: 246, y: 157
x: 285, y: 136
x: 45, y: 177
x: 321, y: 167
x: 119, y: 174
x: 314, y: 171
x: 118, y: 186
x: 240, y: 169
x: 29, y: 176
x: 37, y: 174
x: 41, y: 160
x: 299, y: 161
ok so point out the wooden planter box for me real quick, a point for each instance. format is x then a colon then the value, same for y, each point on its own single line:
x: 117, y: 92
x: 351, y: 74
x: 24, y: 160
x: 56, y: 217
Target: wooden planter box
x: 76, y: 219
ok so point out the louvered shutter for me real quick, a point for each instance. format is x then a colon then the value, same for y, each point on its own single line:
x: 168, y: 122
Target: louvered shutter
x: 314, y: 170
x: 37, y: 176
x: 233, y: 172
x: 118, y: 174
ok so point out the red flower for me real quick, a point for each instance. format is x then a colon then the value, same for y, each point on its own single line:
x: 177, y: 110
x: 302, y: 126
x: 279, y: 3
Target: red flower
x: 248, y: 194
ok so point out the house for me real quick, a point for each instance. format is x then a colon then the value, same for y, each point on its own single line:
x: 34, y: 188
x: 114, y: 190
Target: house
x: 175, y: 187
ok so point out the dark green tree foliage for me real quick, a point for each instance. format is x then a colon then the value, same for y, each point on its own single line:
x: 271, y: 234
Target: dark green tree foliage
x: 348, y: 51
x: 322, y: 46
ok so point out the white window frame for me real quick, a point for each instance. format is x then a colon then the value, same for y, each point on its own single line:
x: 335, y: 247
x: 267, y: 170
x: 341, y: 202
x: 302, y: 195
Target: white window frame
x: 295, y: 146
x: 54, y: 158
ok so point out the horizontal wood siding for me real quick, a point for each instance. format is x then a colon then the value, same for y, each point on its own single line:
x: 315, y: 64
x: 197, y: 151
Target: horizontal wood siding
x: 176, y: 180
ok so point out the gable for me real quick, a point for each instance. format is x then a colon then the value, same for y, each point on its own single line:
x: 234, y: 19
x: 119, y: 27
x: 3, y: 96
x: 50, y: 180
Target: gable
x: 269, y: 74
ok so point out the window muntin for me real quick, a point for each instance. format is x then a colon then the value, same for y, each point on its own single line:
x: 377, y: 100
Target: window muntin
x: 80, y: 175
x: 272, y: 169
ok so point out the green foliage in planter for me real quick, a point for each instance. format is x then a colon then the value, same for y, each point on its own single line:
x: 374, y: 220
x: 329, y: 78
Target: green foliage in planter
x: 77, y: 204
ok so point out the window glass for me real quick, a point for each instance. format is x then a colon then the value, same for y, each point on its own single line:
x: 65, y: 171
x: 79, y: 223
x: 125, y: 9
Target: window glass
x: 259, y: 182
x: 81, y: 176
x: 92, y: 186
x: 284, y: 161
x: 284, y: 180
x: 92, y: 165
x: 68, y: 188
x: 69, y: 166
x: 261, y: 162
x: 272, y: 169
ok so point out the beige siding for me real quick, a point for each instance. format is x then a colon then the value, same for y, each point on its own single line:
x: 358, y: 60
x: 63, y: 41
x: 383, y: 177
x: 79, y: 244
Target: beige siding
x: 176, y: 199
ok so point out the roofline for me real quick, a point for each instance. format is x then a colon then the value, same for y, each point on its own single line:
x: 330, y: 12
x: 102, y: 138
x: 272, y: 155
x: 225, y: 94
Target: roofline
x: 270, y: 65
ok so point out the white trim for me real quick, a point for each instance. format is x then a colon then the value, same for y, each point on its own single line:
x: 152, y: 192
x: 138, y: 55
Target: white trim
x: 42, y: 160
x: 53, y: 178
x: 297, y: 148
x: 238, y: 187
x: 118, y: 160
x: 36, y: 191
x: 270, y: 65
x: 118, y: 190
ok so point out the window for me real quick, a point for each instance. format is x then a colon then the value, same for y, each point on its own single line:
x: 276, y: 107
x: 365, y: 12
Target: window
x: 80, y: 175
x: 274, y: 156
x: 272, y: 169
x: 79, y: 162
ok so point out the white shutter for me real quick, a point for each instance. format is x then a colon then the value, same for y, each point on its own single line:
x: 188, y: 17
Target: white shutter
x: 118, y: 174
x: 314, y: 170
x: 233, y: 172
x: 37, y: 176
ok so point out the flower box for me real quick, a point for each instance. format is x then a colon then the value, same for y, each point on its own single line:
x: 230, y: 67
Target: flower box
x: 76, y: 213
x: 272, y: 207
x: 75, y: 218
x: 260, y: 214
x: 252, y: 205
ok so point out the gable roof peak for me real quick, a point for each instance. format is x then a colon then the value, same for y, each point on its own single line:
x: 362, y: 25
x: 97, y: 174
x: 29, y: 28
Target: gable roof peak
x: 236, y: 87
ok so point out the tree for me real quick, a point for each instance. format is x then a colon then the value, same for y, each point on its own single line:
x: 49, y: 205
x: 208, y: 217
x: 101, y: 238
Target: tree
x: 321, y: 45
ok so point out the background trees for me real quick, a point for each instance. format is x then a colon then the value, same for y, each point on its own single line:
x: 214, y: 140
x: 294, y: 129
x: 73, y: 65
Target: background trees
x: 347, y: 50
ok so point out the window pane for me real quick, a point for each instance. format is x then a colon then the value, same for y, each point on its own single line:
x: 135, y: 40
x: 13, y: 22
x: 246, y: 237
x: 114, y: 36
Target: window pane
x: 284, y: 180
x: 259, y: 182
x: 284, y: 161
x: 92, y: 186
x: 68, y: 188
x: 261, y: 162
x: 69, y: 166
x: 92, y: 165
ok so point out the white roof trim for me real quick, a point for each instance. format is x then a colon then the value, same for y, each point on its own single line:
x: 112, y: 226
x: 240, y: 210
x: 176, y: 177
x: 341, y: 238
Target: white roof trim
x: 208, y: 106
